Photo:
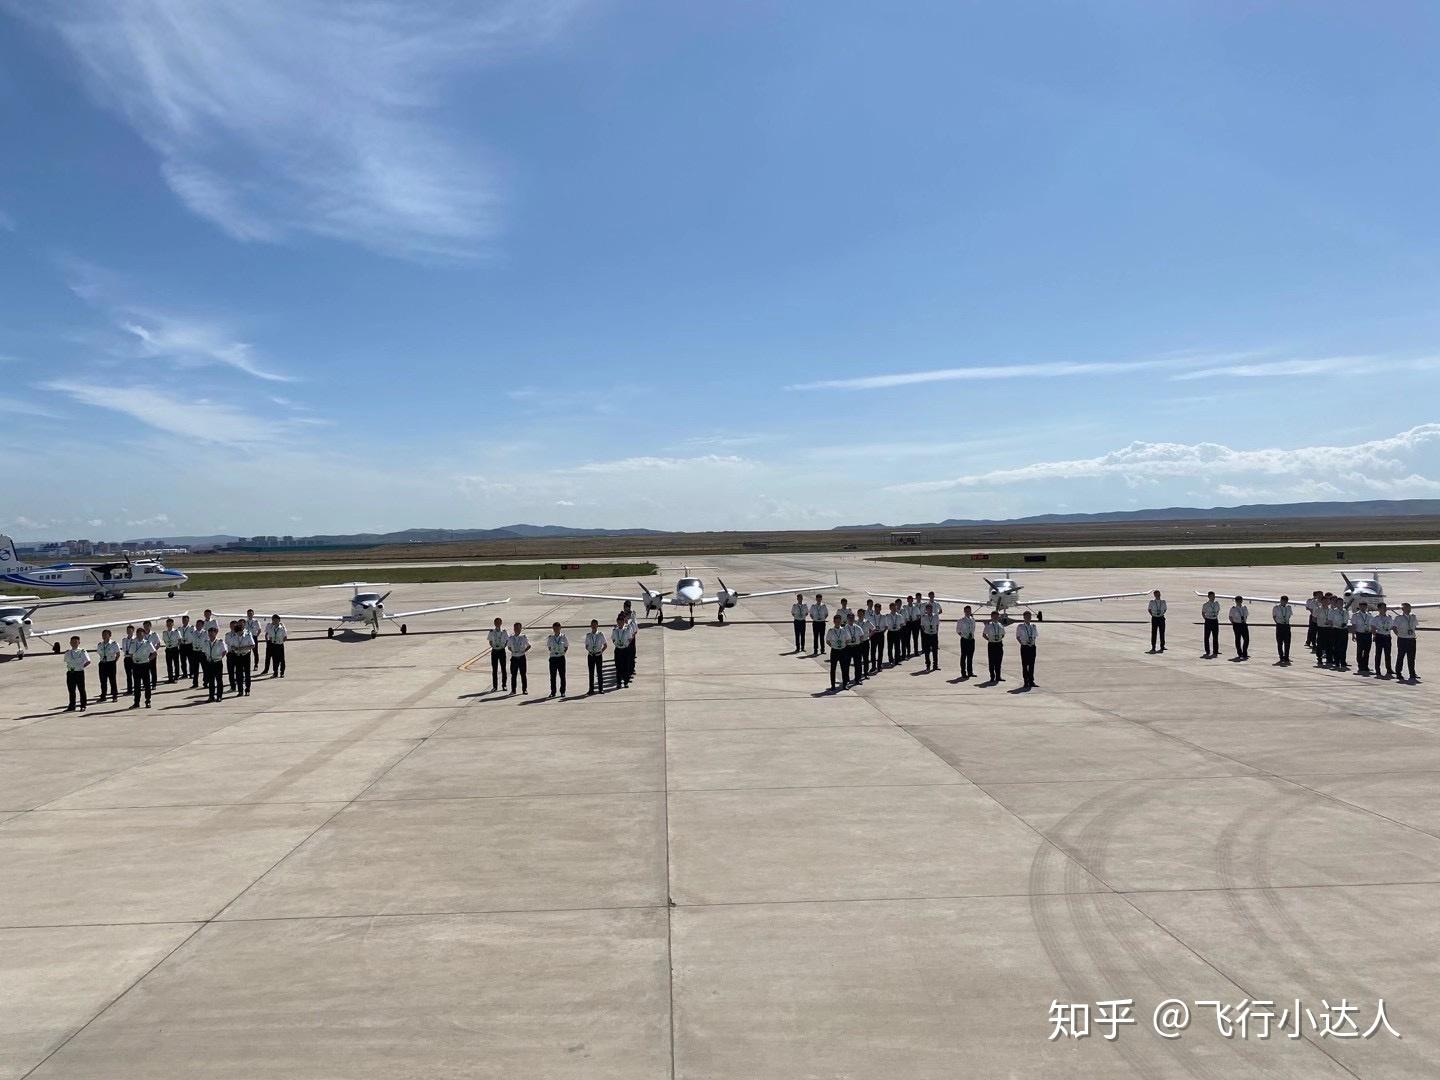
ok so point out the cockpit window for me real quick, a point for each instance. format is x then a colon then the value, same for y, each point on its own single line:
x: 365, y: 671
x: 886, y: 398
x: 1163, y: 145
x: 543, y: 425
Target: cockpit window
x: 689, y: 582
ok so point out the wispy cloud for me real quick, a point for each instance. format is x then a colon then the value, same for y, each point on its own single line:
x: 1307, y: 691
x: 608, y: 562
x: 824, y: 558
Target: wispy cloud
x: 665, y: 464
x: 1358, y: 366
x: 7, y: 223
x: 1379, y: 465
x: 277, y: 117
x: 17, y: 407
x: 211, y: 422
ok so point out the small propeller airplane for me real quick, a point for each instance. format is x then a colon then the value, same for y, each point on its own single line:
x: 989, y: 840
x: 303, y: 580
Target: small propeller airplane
x: 368, y: 608
x: 1005, y: 594
x: 689, y: 592
x: 1366, y: 589
x: 17, y: 629
x: 103, y: 581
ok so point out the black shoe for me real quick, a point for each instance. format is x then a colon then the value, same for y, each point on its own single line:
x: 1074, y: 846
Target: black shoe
x: 136, y: 705
x: 69, y: 708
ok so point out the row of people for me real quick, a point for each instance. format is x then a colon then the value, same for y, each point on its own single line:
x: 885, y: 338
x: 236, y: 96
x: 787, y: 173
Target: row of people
x: 905, y: 623
x: 192, y: 650
x: 509, y: 652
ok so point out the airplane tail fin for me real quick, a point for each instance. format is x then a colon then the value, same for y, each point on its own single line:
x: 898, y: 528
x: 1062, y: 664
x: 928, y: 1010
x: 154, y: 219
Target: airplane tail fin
x: 8, y: 558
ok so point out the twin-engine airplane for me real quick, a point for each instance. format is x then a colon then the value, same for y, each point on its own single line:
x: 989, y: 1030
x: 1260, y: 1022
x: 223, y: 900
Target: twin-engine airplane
x: 17, y: 629
x: 368, y: 608
x: 1357, y: 590
x: 102, y: 581
x: 689, y: 592
x: 1005, y: 594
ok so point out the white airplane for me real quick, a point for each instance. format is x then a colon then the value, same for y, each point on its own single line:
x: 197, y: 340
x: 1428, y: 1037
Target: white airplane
x: 1005, y: 594
x: 17, y: 629
x: 368, y: 608
x: 689, y: 592
x: 1367, y: 589
x: 103, y: 581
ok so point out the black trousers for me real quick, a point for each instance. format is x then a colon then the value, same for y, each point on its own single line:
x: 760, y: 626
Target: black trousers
x: 497, y: 669
x: 995, y: 655
x: 595, y: 669
x: 625, y: 665
x: 1157, y: 631
x: 1362, y: 651
x: 75, y: 685
x: 1310, y: 633
x: 242, y: 672
x: 184, y: 660
x: 857, y: 661
x: 877, y: 651
x: 154, y: 665
x: 1404, y: 650
x: 230, y: 670
x: 930, y: 646
x: 215, y: 680
x: 915, y: 635
x: 892, y: 646
x: 199, y: 668
x: 1342, y: 647
x: 799, y: 634
x: 1212, y: 637
x: 275, y: 658
x: 172, y: 664
x: 1242, y: 638
x: 129, y: 674
x: 840, y: 659
x: 557, y: 671
x: 1027, y: 664
x: 967, y: 656
x: 143, y: 683
x: 1282, y: 641
x: 817, y: 637
x: 1382, y: 652
x: 107, y: 678
x: 518, y: 674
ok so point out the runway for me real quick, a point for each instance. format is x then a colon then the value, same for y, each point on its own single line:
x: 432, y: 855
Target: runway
x: 376, y: 868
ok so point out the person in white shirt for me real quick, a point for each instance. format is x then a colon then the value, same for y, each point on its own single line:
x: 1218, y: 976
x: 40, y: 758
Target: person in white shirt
x: 142, y: 651
x: 1281, y: 614
x: 623, y: 638
x: 995, y: 647
x: 214, y: 660
x: 595, y: 646
x: 1360, y: 623
x: 257, y: 633
x: 930, y: 637
x: 1405, y: 625
x: 243, y: 649
x: 891, y: 623
x: 1381, y: 623
x: 76, y: 661
x: 855, y: 629
x: 916, y: 610
x: 935, y: 604
x: 819, y: 623
x: 1240, y: 626
x: 170, y: 638
x: 1210, y: 616
x: 149, y: 632
x: 630, y: 649
x: 1340, y: 633
x: 799, y: 613
x: 556, y: 645
x: 877, y: 637
x: 1312, y: 625
x: 187, y: 646
x: 1026, y: 634
x: 275, y: 635
x: 498, y: 639
x: 839, y: 641
x: 1157, y: 607
x: 965, y: 628
x: 200, y: 645
x: 127, y: 646
x: 107, y: 652
x: 519, y: 645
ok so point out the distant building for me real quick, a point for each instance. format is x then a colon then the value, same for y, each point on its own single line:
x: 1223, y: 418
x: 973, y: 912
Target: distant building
x: 907, y: 539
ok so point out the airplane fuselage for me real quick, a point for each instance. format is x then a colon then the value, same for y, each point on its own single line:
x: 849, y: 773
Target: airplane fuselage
x: 14, y: 626
x: 106, y: 584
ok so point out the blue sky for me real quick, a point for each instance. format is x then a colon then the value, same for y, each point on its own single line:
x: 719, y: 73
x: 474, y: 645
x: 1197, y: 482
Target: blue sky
x: 293, y: 267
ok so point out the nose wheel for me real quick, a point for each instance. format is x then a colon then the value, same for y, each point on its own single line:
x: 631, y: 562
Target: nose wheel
x: 330, y: 632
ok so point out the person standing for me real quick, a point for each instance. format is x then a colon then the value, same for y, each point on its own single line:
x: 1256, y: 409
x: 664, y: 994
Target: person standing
x: 257, y: 634
x: 630, y: 618
x: 519, y: 645
x: 930, y: 637
x: 1381, y: 624
x: 557, y: 645
x: 199, y: 653
x: 498, y: 639
x: 244, y: 650
x: 107, y: 653
x: 1240, y: 627
x: 844, y: 612
x: 187, y: 645
x: 1406, y: 624
x: 1312, y: 624
x: 856, y: 629
x: 1324, y: 636
x: 595, y: 646
x: 965, y: 628
x: 839, y: 642
x: 76, y: 661
x: 142, y: 651
x: 1280, y: 614
x: 171, y: 640
x: 877, y: 638
x: 275, y: 635
x: 916, y: 610
x: 934, y: 604
x: 127, y: 650
x: 623, y: 639
x: 1360, y: 624
x: 995, y: 647
x: 1157, y: 608
x: 1340, y: 624
x: 232, y: 634
x: 214, y: 659
x: 799, y: 613
x: 892, y: 633
x: 1026, y: 634
x: 819, y: 624
x: 149, y: 632
x: 1210, y: 616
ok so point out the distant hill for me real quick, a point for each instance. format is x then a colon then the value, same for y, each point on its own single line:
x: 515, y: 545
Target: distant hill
x: 442, y: 536
x: 1249, y: 512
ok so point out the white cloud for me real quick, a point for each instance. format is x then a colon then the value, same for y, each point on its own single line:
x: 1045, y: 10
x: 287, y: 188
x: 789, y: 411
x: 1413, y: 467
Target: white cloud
x: 1326, y: 365
x: 276, y: 117
x: 17, y: 407
x: 1385, y: 465
x: 665, y: 464
x: 192, y: 342
x: 206, y: 421
x: 7, y: 222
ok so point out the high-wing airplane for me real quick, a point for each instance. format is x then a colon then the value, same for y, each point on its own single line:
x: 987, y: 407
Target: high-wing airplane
x: 102, y: 581
x: 689, y: 592
x: 1005, y: 594
x: 1357, y: 589
x: 368, y: 608
x: 17, y: 629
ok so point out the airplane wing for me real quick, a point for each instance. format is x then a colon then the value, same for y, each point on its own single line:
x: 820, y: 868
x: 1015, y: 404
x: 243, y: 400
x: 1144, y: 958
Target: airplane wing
x: 782, y: 592
x: 157, y: 620
x: 1248, y: 597
x: 1396, y: 606
x: 941, y: 599
x: 1077, y: 599
x: 266, y: 618
x: 436, y: 610
x: 604, y: 596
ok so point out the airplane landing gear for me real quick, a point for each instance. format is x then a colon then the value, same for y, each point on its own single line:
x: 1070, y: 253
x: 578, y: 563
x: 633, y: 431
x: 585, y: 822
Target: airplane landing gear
x: 53, y: 648
x: 98, y: 596
x: 171, y: 594
x: 722, y: 616
x: 692, y: 614
x: 404, y: 629
x: 374, y: 632
x: 330, y: 632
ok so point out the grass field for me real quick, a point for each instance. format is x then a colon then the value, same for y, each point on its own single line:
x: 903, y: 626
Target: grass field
x: 1359, y: 558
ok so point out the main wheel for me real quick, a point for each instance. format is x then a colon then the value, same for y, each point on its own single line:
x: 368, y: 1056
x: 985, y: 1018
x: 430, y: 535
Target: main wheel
x: 98, y: 596
x: 171, y: 594
x: 330, y: 632
x: 373, y: 633
x: 404, y: 629
x: 54, y: 648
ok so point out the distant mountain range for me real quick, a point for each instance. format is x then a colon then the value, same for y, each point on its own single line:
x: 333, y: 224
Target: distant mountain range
x: 1249, y: 512
x: 427, y: 536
